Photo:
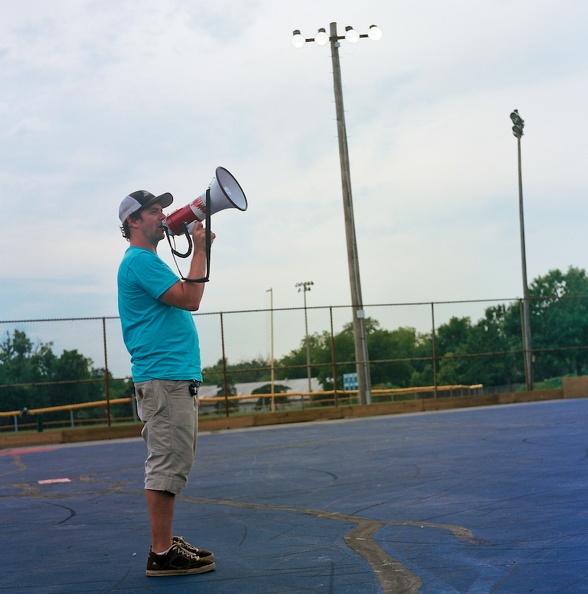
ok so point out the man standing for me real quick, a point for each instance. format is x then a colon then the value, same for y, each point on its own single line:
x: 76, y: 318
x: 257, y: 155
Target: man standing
x: 160, y: 335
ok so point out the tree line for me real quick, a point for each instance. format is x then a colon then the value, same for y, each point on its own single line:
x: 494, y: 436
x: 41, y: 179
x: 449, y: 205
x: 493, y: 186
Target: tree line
x: 488, y: 351
x: 32, y: 376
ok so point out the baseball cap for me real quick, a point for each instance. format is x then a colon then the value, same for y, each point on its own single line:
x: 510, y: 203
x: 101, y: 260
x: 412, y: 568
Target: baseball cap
x: 141, y: 199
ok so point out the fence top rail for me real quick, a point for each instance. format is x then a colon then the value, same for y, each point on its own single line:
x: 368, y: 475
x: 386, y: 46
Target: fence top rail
x: 80, y: 319
x: 276, y: 309
x: 266, y: 309
x: 365, y: 305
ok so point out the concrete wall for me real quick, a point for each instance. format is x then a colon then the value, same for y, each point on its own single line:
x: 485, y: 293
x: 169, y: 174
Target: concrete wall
x: 575, y: 387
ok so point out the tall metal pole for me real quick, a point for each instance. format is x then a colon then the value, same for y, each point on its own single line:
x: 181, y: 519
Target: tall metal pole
x: 272, y: 363
x: 304, y: 287
x: 359, y: 329
x: 517, y: 130
x: 434, y: 340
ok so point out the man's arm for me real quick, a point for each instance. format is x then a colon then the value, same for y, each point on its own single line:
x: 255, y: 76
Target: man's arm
x: 184, y: 294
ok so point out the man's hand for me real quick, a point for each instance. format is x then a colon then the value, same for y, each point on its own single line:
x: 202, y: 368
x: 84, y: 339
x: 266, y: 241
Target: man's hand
x: 199, y: 237
x: 184, y: 294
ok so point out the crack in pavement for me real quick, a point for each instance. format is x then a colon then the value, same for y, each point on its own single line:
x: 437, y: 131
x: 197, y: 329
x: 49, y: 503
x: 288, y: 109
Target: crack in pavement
x: 393, y: 576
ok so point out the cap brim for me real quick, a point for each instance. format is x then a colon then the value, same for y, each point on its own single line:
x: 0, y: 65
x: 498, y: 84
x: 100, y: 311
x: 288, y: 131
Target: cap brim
x: 164, y: 199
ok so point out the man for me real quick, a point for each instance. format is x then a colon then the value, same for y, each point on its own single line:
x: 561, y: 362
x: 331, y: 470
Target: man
x: 160, y: 335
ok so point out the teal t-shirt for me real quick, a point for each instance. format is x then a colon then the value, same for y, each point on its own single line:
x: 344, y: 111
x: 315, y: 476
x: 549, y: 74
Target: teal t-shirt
x: 161, y: 339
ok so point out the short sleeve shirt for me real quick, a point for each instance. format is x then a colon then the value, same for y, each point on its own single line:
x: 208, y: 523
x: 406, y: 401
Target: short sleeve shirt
x: 161, y: 339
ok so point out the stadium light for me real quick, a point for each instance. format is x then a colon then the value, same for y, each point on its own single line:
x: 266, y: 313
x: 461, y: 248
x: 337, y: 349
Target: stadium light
x: 517, y: 130
x: 359, y: 328
x: 304, y: 287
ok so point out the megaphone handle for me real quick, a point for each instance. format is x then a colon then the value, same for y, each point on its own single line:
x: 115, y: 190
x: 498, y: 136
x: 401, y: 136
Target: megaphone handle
x: 207, y: 231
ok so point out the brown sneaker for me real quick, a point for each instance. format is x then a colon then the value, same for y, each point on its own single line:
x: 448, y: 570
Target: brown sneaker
x: 202, y: 553
x: 177, y: 561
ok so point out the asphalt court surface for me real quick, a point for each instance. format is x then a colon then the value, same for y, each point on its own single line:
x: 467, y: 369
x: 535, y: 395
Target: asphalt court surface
x: 484, y: 500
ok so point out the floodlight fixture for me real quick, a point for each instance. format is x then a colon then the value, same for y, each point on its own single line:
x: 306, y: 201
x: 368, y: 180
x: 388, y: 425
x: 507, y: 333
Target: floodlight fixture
x: 321, y: 38
x: 297, y: 40
x: 351, y: 35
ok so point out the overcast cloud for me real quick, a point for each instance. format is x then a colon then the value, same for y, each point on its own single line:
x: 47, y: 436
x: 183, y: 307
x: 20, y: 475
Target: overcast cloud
x: 101, y: 98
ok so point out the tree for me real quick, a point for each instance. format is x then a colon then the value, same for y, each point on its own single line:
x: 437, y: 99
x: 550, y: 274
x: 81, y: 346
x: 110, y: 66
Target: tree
x: 58, y: 380
x: 453, y: 336
x: 76, y: 373
x: 18, y: 367
x: 559, y: 320
x: 265, y: 402
x: 393, y: 353
x: 222, y: 405
x: 256, y: 370
x: 390, y: 354
x: 491, y: 361
x: 452, y: 346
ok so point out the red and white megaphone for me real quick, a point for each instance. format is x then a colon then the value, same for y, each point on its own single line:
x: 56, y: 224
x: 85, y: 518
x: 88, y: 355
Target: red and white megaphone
x: 223, y: 192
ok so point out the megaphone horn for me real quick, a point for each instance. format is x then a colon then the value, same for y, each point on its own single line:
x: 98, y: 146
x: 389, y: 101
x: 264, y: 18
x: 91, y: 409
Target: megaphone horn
x: 223, y: 192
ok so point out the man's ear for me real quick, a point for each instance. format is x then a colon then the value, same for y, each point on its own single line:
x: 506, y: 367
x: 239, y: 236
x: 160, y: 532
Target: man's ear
x: 133, y: 220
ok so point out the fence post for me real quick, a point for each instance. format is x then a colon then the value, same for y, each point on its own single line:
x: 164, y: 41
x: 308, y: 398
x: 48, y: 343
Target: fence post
x: 523, y: 303
x: 225, y: 380
x: 16, y: 423
x: 334, y: 360
x: 434, y: 341
x: 105, y: 371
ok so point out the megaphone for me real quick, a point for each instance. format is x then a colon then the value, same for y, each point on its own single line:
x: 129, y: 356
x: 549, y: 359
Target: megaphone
x: 223, y: 192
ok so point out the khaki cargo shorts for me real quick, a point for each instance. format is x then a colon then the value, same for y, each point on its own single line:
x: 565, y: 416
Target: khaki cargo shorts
x: 170, y: 414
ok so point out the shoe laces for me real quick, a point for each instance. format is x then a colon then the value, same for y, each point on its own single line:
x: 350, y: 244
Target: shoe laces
x: 184, y: 552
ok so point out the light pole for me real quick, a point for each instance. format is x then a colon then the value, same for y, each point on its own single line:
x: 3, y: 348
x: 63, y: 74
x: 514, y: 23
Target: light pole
x: 359, y: 329
x: 304, y: 287
x: 517, y: 130
x: 273, y: 377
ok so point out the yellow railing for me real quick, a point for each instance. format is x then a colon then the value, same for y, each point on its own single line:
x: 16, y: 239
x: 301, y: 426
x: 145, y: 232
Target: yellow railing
x: 327, y: 397
x: 50, y: 409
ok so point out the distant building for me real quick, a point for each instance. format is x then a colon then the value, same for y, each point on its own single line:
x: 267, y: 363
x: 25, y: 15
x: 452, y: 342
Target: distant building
x: 296, y: 387
x: 293, y: 385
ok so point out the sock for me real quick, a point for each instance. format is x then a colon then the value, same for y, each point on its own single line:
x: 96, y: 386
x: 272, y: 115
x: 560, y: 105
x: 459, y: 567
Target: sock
x: 164, y: 552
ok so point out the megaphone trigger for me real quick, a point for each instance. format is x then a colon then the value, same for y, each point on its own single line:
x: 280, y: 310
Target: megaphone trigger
x: 190, y: 227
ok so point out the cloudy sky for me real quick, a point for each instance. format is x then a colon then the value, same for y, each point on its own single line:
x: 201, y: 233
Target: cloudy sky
x: 100, y: 98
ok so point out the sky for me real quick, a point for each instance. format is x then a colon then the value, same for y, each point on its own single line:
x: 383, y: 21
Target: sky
x: 103, y: 97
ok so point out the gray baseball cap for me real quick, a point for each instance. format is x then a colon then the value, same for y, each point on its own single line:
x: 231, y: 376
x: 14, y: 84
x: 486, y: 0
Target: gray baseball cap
x: 141, y: 199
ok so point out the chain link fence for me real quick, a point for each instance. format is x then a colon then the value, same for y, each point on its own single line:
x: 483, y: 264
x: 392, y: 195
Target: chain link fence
x: 254, y: 356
